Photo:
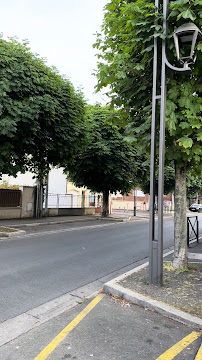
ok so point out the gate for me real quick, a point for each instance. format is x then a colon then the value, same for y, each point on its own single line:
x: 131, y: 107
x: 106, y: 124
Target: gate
x: 192, y: 230
x: 10, y: 198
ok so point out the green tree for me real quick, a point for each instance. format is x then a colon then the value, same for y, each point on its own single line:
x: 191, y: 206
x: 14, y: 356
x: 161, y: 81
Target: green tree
x: 194, y: 187
x: 107, y: 163
x: 40, y: 113
x: 125, y: 66
x: 169, y: 181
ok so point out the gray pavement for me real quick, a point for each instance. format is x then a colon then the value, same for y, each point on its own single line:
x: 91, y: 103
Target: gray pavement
x: 113, y: 330
x: 113, y: 287
x: 39, y: 267
x: 47, y: 220
x: 53, y: 220
x: 116, y: 216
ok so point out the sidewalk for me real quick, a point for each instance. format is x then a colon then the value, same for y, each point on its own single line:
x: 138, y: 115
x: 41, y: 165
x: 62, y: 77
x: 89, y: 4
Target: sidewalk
x: 49, y: 220
x: 17, y: 223
x: 180, y: 298
x: 140, y: 216
x: 109, y: 328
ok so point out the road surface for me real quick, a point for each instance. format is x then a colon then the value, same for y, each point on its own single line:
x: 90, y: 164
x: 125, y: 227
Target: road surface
x: 42, y: 266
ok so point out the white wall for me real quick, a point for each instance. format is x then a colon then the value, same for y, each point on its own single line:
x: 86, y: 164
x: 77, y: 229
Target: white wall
x: 21, y: 179
x: 57, y: 182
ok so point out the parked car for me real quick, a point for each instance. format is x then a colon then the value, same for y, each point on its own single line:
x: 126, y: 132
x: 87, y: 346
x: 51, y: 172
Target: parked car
x: 196, y: 207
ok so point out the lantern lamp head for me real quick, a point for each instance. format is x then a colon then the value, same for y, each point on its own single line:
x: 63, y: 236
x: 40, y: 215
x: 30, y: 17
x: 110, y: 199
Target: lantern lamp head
x: 186, y: 38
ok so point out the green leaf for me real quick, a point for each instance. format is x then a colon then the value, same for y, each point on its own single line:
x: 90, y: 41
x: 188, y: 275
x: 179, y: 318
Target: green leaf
x: 139, y: 67
x: 197, y: 149
x: 179, y: 2
x: 187, y: 14
x: 199, y: 47
x: 184, y: 125
x: 185, y: 142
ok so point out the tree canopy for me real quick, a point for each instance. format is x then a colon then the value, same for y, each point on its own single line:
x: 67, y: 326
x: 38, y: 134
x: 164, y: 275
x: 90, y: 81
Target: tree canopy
x: 169, y: 181
x: 107, y: 162
x: 194, y: 186
x: 125, y: 53
x: 125, y: 66
x: 40, y: 112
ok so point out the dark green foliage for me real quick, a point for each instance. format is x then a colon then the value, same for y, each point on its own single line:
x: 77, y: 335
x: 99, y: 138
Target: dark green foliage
x: 194, y: 186
x: 108, y: 161
x: 125, y: 66
x: 40, y: 113
x: 169, y: 181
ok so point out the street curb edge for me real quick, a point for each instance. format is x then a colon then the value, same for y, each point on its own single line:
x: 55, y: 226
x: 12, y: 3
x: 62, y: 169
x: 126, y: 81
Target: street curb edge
x: 112, y: 288
x: 148, y: 303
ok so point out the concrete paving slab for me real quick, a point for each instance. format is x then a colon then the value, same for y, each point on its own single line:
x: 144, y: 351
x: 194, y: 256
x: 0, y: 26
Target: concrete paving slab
x: 113, y: 330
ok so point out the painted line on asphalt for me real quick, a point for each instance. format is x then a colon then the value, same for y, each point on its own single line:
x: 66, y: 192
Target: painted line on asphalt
x: 199, y: 354
x: 181, y: 345
x: 65, y: 332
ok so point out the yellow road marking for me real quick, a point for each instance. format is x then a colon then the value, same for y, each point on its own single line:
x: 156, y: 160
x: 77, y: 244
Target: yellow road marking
x: 62, y: 335
x: 177, y: 348
x: 199, y: 354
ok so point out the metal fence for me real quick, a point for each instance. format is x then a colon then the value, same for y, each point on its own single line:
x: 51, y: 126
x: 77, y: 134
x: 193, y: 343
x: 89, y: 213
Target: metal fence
x: 10, y: 198
x: 62, y: 201
x: 192, y: 230
x: 73, y: 201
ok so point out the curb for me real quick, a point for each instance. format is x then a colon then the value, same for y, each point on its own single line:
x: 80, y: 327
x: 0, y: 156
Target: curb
x: 61, y: 222
x: 12, y: 328
x: 112, y: 288
x: 112, y: 219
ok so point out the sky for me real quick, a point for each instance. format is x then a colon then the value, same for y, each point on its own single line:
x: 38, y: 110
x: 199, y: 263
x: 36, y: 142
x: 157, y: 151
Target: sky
x: 60, y: 31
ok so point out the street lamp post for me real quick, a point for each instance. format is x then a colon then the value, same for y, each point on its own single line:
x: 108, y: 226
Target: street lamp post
x: 187, y: 35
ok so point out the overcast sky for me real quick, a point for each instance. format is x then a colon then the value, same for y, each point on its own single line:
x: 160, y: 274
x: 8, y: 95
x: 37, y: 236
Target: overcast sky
x: 60, y: 31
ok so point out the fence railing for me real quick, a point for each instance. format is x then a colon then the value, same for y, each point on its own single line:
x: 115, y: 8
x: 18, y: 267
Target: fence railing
x: 73, y: 201
x: 192, y: 230
x: 62, y: 201
x: 10, y: 198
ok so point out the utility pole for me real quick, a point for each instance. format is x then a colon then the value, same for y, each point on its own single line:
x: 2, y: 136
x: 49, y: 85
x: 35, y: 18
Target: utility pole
x: 156, y: 241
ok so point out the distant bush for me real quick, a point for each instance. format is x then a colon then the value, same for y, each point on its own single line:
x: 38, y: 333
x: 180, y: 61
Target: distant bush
x: 5, y: 185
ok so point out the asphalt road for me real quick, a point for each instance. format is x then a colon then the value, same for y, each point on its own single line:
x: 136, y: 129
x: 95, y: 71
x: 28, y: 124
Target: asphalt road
x: 39, y: 267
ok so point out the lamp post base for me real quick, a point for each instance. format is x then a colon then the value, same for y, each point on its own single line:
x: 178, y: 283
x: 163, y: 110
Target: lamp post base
x: 134, y: 210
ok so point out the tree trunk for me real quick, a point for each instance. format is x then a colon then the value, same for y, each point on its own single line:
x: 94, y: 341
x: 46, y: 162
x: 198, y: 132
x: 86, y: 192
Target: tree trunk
x: 105, y: 207
x: 41, y: 199
x: 180, y: 259
x: 46, y: 196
